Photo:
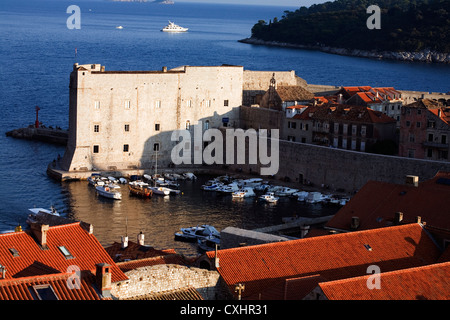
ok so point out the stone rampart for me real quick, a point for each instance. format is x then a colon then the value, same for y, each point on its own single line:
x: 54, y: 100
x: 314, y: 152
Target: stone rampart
x: 165, y: 277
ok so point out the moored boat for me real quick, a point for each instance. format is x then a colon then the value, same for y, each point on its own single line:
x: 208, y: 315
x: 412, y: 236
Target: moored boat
x: 108, y: 192
x: 268, y: 197
x: 244, y: 193
x: 140, y: 191
x: 192, y: 234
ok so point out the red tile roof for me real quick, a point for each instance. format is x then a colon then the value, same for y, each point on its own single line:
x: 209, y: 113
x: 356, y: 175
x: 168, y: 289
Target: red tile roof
x: 377, y: 202
x: 134, y: 251
x: 332, y: 257
x: 84, y: 247
x: 430, y: 282
x: 146, y: 262
x: 23, y: 288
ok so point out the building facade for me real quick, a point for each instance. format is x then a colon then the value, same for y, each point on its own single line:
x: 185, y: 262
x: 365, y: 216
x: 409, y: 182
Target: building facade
x: 121, y: 120
x: 425, y: 131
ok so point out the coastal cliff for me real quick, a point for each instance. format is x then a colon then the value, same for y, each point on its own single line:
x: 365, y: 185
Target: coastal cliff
x: 426, y: 55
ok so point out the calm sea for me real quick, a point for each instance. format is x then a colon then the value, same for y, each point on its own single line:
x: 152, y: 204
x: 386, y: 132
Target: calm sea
x: 37, y: 52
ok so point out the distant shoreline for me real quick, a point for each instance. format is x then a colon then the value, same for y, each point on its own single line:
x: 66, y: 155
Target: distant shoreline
x: 425, y: 56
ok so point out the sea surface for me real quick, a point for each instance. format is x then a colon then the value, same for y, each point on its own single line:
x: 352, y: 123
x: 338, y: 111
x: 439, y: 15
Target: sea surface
x: 37, y: 52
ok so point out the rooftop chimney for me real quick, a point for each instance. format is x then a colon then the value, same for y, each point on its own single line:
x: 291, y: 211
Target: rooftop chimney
x: 355, y: 223
x: 103, y: 278
x: 164, y: 69
x: 398, y: 217
x: 40, y: 233
x: 2, y: 272
x: 418, y: 219
x: 140, y: 238
x: 124, y: 242
x: 412, y: 181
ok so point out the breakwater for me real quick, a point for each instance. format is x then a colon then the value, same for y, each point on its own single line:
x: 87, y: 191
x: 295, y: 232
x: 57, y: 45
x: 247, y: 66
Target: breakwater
x: 50, y: 135
x: 426, y: 55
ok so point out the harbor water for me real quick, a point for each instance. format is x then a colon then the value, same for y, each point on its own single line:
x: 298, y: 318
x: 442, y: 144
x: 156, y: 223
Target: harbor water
x: 37, y: 52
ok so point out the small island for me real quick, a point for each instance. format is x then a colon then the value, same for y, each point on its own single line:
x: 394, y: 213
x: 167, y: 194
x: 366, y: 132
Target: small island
x: 411, y: 30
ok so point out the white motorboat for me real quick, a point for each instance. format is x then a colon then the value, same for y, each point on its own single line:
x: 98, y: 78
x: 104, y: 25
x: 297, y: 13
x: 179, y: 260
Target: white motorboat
x: 301, y: 195
x: 314, y: 197
x: 172, y: 27
x: 95, y: 180
x: 209, y: 243
x: 285, y: 192
x: 199, y: 232
x: 35, y: 212
x: 122, y: 180
x: 162, y: 191
x: 229, y: 188
x: 269, y: 197
x: 108, y: 191
x: 189, y: 176
x: 119, y: 27
x: 244, y: 193
x: 253, y: 182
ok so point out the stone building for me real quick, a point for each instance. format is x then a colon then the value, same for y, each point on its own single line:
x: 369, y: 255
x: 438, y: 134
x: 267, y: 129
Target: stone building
x: 121, y: 120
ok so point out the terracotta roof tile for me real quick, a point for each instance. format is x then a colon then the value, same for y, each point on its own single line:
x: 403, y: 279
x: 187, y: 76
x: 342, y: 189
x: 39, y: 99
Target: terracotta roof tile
x: 430, y: 282
x: 166, y: 259
x: 332, y: 257
x: 134, y: 251
x: 22, y: 289
x: 377, y: 202
x: 293, y: 93
x: 84, y: 247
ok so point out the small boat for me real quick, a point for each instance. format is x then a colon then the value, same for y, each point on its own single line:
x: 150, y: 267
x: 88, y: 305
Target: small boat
x: 229, y: 188
x: 192, y: 234
x: 35, y: 212
x: 172, y: 27
x: 122, y: 180
x: 253, y: 182
x: 244, y: 193
x: 140, y: 191
x: 314, y: 197
x: 301, y: 195
x: 108, y: 192
x: 212, y: 186
x: 189, y: 176
x: 162, y: 191
x: 285, y: 192
x: 209, y: 243
x: 95, y: 180
x: 119, y: 27
x: 269, y: 197
x: 148, y: 177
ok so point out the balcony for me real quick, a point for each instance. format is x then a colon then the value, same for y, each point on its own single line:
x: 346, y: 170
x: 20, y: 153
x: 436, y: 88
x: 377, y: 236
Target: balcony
x: 436, y: 145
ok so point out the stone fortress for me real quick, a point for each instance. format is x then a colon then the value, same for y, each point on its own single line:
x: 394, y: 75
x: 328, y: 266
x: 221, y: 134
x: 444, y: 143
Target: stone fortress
x: 121, y: 122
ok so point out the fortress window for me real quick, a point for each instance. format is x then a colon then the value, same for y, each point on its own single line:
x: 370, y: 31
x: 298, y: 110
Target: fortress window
x: 206, y: 124
x: 126, y: 148
x: 208, y: 103
x: 96, y: 128
x: 225, y: 103
x: 188, y: 125
x: 189, y: 103
x: 127, y: 104
x: 127, y: 128
x: 158, y: 103
x: 96, y: 148
x: 156, y: 147
x: 96, y: 105
x: 156, y: 126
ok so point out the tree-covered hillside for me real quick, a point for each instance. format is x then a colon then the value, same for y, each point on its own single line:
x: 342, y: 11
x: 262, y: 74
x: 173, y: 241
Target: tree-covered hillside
x: 406, y: 25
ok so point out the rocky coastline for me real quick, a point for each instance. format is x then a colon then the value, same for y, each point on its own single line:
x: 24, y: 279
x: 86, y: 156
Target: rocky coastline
x: 426, y: 56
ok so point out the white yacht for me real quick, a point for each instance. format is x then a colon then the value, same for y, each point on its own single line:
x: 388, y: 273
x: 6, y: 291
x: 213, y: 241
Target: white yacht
x: 172, y: 27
